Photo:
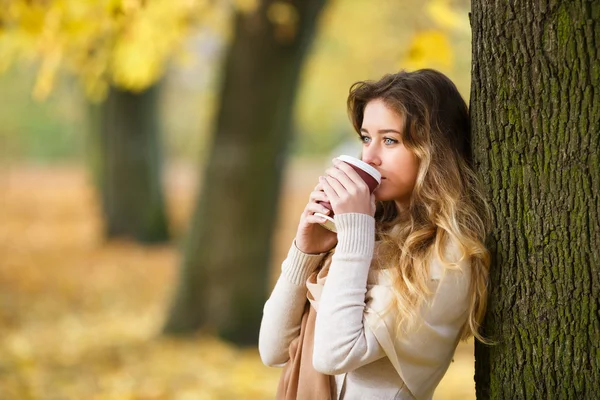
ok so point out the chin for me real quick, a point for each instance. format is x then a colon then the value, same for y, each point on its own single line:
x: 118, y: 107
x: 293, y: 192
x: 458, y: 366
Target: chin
x: 387, y: 196
x: 382, y: 192
x: 381, y: 196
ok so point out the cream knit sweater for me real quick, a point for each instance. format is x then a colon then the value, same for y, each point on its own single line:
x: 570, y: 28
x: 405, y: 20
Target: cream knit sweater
x: 368, y: 362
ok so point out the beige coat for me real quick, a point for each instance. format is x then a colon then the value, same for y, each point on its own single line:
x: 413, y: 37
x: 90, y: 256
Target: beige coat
x: 354, y: 341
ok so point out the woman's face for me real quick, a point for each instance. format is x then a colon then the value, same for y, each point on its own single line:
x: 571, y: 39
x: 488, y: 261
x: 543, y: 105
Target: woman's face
x: 382, y: 148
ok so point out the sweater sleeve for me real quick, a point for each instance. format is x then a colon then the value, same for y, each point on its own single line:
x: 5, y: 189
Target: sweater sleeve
x: 342, y: 341
x: 282, y: 313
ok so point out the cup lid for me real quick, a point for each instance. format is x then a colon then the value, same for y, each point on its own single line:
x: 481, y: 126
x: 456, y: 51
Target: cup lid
x: 362, y: 165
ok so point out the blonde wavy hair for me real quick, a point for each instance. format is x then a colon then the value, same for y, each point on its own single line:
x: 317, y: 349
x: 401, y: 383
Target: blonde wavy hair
x: 447, y: 204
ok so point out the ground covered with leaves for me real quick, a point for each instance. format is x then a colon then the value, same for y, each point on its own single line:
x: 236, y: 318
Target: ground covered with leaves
x: 81, y: 317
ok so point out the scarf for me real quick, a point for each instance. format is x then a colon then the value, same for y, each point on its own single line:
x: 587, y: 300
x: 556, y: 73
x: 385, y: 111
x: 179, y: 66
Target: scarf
x: 299, y: 380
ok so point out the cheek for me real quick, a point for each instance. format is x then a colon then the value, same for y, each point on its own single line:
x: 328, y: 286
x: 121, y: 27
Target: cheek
x: 412, y: 172
x: 403, y: 180
x: 403, y: 176
x: 388, y: 191
x: 407, y: 170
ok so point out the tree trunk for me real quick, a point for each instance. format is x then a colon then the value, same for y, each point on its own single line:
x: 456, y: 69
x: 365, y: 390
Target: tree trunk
x: 535, y: 109
x: 127, y: 165
x: 224, y: 277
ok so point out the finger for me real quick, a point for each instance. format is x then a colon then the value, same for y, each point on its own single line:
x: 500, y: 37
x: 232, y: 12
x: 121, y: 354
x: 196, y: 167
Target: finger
x: 318, y: 196
x: 341, y: 177
x: 349, y: 184
x: 315, y: 219
x: 325, y: 190
x: 349, y: 171
x: 317, y: 208
x: 316, y: 205
x: 338, y: 189
x: 329, y: 191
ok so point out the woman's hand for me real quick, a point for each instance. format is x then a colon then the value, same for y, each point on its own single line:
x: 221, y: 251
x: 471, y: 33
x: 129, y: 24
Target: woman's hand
x: 312, y: 238
x: 346, y: 190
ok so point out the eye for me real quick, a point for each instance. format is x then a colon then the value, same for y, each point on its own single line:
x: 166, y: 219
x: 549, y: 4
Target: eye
x: 390, y: 140
x: 363, y: 138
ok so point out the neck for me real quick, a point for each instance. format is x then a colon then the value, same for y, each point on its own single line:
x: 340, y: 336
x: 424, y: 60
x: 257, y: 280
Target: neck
x: 402, y: 206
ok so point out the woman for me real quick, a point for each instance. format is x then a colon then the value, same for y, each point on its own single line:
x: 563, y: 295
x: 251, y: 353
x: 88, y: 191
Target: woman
x: 404, y: 279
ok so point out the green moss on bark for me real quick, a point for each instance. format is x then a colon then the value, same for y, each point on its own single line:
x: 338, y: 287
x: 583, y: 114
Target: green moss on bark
x: 538, y: 156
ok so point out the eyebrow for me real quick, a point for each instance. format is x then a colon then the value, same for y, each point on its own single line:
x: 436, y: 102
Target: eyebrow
x: 381, y: 131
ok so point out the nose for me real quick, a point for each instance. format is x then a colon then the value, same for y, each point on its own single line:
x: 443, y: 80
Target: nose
x: 370, y: 156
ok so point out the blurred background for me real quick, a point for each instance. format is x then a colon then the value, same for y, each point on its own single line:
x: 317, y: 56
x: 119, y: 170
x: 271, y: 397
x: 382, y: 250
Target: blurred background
x: 115, y: 115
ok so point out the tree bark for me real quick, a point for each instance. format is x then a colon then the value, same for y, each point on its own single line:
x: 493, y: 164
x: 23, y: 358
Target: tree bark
x: 535, y: 110
x: 224, y: 275
x: 127, y: 165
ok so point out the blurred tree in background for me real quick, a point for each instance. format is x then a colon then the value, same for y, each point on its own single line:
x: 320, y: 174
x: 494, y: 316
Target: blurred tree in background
x: 118, y: 49
x: 126, y: 155
x: 225, y: 269
x: 536, y: 131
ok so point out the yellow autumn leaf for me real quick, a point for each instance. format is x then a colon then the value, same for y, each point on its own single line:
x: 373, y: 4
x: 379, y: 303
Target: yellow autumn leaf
x: 246, y: 6
x: 47, y: 74
x: 429, y: 49
x: 31, y: 17
x: 135, y: 65
x: 447, y: 17
x: 143, y: 48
